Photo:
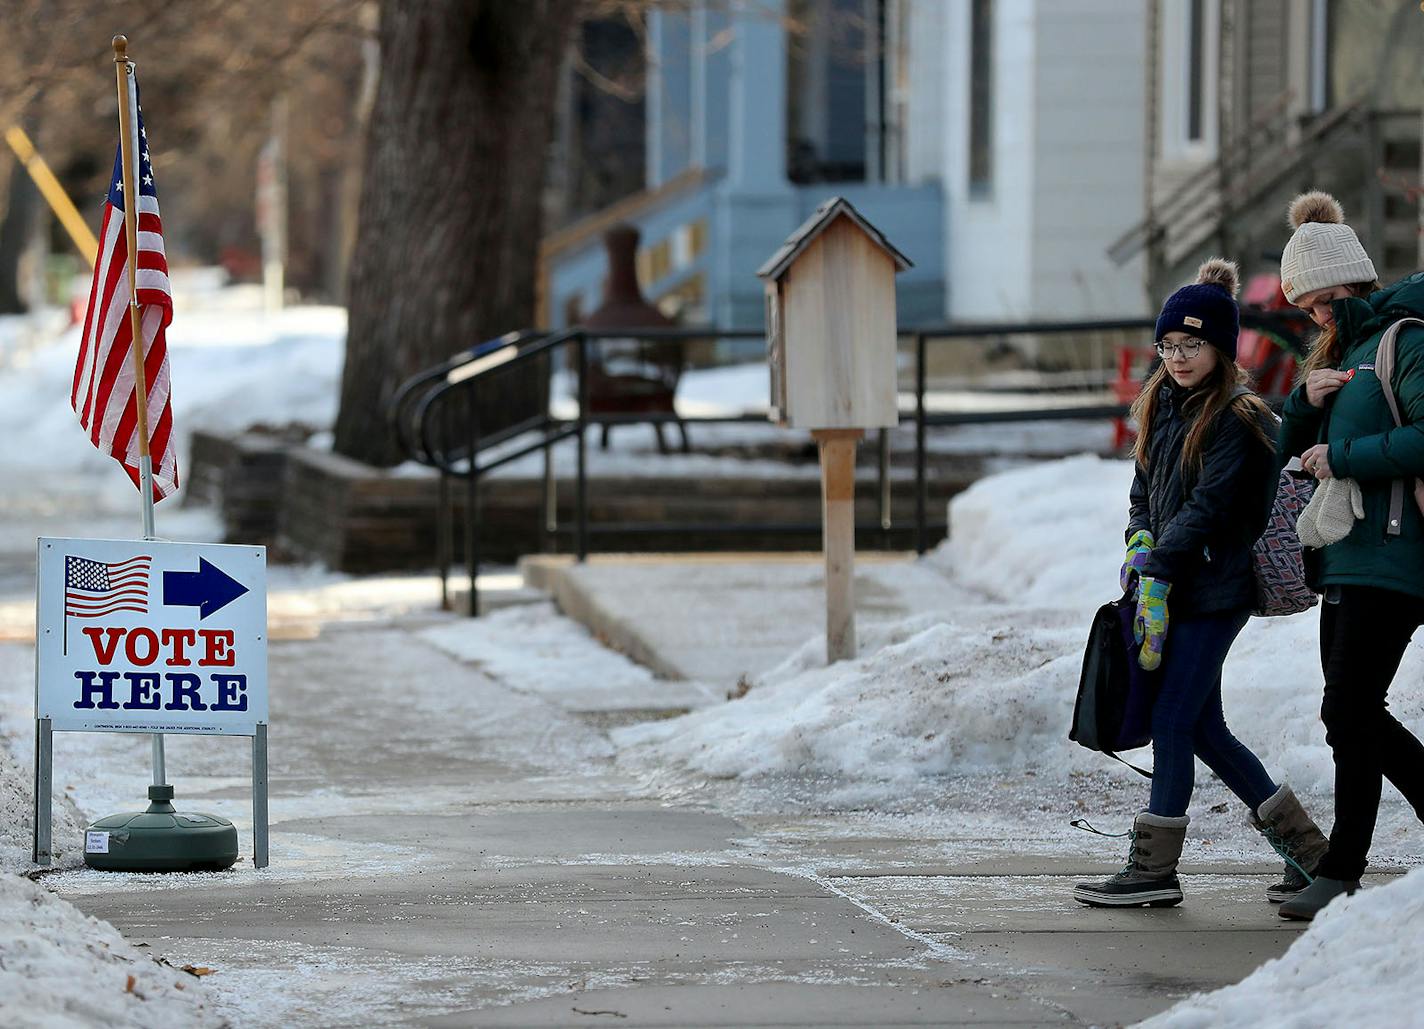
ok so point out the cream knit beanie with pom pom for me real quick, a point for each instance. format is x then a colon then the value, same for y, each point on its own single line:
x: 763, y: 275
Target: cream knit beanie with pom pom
x: 1324, y: 251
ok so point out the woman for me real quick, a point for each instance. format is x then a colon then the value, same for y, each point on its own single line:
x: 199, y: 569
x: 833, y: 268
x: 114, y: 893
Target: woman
x: 1203, y: 490
x: 1340, y: 425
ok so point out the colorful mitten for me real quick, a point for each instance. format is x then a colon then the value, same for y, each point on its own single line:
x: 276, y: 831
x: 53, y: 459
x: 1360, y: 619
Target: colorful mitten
x: 1150, y: 626
x: 1138, y: 548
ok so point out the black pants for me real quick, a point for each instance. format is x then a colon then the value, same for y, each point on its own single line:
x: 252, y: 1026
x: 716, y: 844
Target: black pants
x: 1362, y: 639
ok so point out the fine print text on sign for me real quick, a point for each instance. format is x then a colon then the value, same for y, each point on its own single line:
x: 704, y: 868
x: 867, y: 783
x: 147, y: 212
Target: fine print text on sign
x: 143, y: 636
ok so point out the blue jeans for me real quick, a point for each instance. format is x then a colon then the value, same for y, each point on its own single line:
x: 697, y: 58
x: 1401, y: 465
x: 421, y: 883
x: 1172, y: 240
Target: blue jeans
x: 1187, y: 721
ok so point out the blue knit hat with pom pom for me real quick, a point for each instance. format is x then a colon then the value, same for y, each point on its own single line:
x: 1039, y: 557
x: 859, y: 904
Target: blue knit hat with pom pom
x: 1207, y: 308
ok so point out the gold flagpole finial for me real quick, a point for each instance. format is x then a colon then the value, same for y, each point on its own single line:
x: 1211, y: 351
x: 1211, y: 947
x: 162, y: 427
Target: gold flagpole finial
x: 121, y: 49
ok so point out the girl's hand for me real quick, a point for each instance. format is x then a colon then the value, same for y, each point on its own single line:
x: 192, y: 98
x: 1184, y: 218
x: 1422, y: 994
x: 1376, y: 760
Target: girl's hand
x: 1138, y: 548
x: 1320, y: 383
x: 1316, y: 461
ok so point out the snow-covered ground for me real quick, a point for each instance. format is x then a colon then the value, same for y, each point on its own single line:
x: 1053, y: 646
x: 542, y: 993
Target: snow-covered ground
x: 61, y: 969
x: 988, y: 686
x: 1359, y: 964
x: 233, y: 367
x: 978, y: 691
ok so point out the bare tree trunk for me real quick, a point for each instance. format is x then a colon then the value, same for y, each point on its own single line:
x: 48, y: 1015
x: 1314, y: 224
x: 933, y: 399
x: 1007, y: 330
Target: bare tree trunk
x: 450, y: 198
x: 17, y: 232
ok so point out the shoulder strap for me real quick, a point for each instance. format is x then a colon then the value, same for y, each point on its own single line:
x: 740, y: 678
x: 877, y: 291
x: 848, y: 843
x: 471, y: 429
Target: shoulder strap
x: 1384, y: 372
x: 1384, y: 363
x: 1140, y: 771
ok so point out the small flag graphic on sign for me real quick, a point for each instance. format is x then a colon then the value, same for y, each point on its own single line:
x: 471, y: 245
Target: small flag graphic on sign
x: 93, y: 589
x: 103, y: 394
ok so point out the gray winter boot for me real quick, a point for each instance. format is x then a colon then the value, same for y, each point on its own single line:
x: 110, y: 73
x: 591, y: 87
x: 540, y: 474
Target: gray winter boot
x: 1295, y: 837
x: 1314, y: 897
x: 1150, y: 875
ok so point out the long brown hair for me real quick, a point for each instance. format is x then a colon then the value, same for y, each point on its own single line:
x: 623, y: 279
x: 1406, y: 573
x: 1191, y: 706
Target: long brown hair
x: 1202, y: 406
x: 1325, y: 350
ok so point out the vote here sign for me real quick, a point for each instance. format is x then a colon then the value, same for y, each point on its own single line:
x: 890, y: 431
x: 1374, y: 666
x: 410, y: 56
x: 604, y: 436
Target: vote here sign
x: 136, y: 636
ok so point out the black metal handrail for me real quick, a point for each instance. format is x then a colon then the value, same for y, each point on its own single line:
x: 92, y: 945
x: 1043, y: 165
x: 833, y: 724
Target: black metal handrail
x: 422, y: 408
x: 405, y: 421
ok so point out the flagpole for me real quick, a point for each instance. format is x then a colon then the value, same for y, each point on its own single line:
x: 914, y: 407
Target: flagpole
x: 124, y: 70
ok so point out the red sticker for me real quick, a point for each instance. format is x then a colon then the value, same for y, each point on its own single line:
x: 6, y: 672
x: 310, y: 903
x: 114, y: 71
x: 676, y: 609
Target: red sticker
x: 1349, y: 375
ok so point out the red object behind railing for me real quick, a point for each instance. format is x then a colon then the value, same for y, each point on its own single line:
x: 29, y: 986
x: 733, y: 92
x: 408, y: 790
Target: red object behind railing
x: 1132, y: 361
x: 1272, y: 366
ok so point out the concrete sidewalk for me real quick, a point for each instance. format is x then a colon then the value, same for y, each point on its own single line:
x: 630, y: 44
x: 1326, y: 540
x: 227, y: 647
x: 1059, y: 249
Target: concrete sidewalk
x: 716, y: 617
x: 451, y: 852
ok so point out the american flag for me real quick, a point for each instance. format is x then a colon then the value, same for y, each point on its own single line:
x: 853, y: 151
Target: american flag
x: 93, y: 589
x: 103, y: 394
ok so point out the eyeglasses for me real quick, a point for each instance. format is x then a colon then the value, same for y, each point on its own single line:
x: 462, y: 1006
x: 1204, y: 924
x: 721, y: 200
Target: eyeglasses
x: 1188, y: 348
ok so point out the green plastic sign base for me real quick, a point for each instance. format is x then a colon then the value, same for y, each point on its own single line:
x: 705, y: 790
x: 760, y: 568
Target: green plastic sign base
x: 160, y: 840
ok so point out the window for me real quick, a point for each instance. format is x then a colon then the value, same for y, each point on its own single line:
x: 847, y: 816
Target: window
x: 1196, y: 61
x: 833, y: 103
x: 1319, y: 56
x: 1187, y: 68
x: 981, y: 97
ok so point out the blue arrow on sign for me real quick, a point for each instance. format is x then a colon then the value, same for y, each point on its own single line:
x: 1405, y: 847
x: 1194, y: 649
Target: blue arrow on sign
x: 208, y: 589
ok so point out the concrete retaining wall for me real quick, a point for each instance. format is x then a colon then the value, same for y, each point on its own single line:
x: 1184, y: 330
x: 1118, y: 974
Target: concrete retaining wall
x: 312, y: 505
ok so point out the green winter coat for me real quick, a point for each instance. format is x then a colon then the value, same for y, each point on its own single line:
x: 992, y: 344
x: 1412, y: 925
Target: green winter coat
x: 1365, y: 444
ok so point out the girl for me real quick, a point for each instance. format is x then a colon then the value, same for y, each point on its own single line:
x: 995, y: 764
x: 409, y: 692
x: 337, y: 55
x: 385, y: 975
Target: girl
x: 1203, y: 490
x: 1340, y: 424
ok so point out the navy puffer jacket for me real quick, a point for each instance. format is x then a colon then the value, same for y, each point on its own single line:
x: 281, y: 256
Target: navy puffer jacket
x: 1204, y: 523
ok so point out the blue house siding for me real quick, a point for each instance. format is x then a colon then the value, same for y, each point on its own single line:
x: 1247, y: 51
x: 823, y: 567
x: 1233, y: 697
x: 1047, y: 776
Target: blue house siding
x: 742, y: 230
x: 669, y: 104
x: 717, y: 114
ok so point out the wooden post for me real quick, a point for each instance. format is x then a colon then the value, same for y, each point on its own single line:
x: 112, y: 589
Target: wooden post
x: 837, y: 447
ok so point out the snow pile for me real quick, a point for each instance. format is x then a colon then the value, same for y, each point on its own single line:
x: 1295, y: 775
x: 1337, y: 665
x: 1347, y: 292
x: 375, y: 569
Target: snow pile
x: 62, y: 969
x: 17, y: 818
x: 1358, y: 964
x: 1053, y: 534
x: 989, y: 685
x: 978, y: 688
x: 929, y: 698
x: 1048, y: 534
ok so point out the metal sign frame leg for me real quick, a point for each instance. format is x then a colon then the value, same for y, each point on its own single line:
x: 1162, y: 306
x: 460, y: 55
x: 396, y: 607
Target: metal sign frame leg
x: 44, y: 787
x: 259, y: 797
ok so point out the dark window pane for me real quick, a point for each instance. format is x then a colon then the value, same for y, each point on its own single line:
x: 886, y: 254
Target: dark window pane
x: 981, y: 97
x: 1195, y: 84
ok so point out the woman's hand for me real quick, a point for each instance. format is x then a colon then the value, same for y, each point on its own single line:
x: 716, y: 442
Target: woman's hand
x: 1316, y: 461
x: 1320, y: 383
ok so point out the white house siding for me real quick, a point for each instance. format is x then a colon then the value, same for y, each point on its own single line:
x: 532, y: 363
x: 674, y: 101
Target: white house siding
x: 1178, y: 161
x: 1090, y: 67
x: 989, y: 238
